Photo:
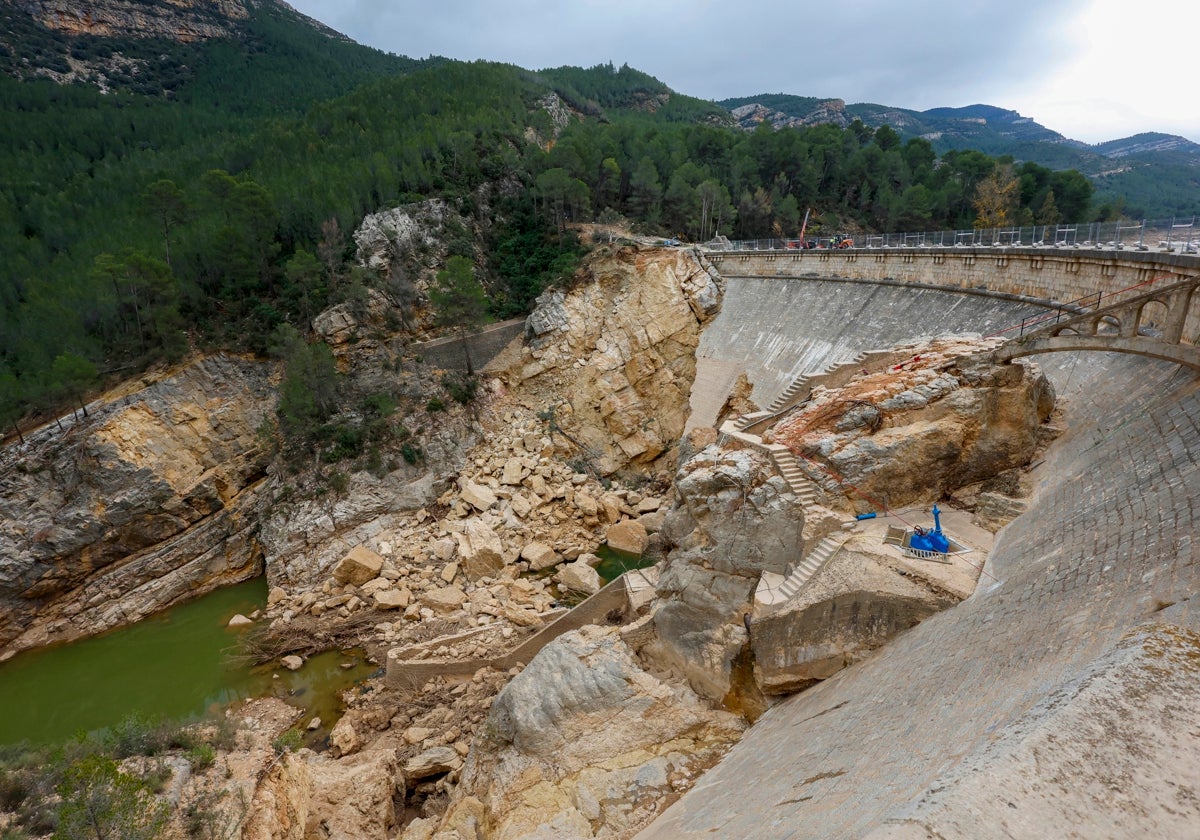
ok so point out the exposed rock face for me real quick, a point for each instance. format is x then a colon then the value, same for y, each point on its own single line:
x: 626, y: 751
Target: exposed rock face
x: 923, y: 428
x: 343, y: 324
x: 309, y: 795
x: 389, y: 235
x: 832, y: 111
x: 735, y: 518
x: 178, y: 20
x: 151, y: 501
x: 584, y: 743
x: 615, y: 356
x: 812, y: 641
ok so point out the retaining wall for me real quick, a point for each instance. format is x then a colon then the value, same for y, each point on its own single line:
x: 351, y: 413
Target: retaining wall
x: 485, y: 345
x: 409, y: 674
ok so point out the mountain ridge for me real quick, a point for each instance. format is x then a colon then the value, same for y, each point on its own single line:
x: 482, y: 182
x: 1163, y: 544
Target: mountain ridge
x: 1149, y: 174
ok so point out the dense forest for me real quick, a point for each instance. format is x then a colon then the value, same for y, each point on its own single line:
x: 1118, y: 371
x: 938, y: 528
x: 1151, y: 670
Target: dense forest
x: 207, y: 205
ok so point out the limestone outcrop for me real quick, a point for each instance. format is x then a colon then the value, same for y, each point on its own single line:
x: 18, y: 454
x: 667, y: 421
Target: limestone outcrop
x: 149, y: 501
x: 735, y: 518
x: 935, y: 419
x: 614, y: 356
x: 917, y: 430
x: 584, y: 743
x: 179, y: 20
x: 855, y: 605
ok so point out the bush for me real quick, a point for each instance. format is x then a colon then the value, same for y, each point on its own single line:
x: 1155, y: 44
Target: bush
x: 338, y: 482
x: 460, y: 387
x: 14, y: 790
x: 287, y: 742
x: 201, y: 756
x: 139, y: 734
x: 435, y: 404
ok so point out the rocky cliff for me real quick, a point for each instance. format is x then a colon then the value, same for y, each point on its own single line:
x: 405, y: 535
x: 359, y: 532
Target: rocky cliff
x: 584, y: 743
x: 147, y: 502
x: 176, y: 20
x: 614, y: 357
x: 939, y: 420
x: 735, y: 519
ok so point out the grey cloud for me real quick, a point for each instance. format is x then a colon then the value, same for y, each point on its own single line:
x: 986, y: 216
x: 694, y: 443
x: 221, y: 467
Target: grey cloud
x: 915, y: 55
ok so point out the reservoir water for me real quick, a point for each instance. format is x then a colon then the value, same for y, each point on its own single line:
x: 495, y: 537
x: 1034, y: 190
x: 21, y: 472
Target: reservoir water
x: 177, y: 664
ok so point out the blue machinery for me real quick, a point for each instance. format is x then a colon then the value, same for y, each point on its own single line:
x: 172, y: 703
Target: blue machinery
x: 935, y: 540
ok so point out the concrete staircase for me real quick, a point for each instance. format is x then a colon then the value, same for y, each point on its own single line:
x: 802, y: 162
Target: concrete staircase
x: 776, y: 590
x: 811, y: 564
x: 788, y: 467
x: 801, y: 387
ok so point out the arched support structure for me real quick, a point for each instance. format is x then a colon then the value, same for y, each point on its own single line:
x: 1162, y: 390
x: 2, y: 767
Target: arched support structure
x: 1183, y: 354
x: 1150, y: 324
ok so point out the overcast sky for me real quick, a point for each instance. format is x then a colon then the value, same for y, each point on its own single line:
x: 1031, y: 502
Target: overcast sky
x: 1094, y: 70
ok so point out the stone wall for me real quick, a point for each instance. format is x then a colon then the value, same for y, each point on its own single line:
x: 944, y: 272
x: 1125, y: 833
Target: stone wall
x: 409, y: 674
x: 484, y: 345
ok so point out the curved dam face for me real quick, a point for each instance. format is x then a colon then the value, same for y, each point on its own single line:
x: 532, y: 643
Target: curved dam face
x: 1061, y: 698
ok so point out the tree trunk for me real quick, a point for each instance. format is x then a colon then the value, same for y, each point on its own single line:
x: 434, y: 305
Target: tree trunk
x: 467, y: 352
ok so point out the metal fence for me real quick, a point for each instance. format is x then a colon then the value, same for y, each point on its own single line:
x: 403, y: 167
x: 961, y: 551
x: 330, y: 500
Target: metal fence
x: 1180, y: 236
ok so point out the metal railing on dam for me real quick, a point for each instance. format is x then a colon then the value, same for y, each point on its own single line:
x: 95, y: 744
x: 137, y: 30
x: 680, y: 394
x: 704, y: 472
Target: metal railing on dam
x: 1041, y: 273
x: 1178, y: 236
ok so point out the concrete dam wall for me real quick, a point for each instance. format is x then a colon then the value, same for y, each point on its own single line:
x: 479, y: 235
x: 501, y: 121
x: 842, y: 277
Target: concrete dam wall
x: 1061, y: 698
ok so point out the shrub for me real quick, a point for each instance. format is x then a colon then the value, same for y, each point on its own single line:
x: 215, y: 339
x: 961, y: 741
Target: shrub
x: 287, y: 742
x: 201, y: 756
x: 460, y: 387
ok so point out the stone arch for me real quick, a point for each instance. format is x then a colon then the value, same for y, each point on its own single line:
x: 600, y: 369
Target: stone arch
x: 1154, y: 314
x: 1108, y: 320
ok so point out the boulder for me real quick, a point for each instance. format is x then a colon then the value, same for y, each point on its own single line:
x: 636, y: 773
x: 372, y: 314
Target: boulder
x: 417, y: 734
x: 343, y: 740
x: 540, y: 556
x: 431, y: 763
x: 392, y: 599
x: 649, y: 505
x: 514, y: 472
x: 239, y: 620
x: 446, y: 599
x: 443, y: 549
x: 373, y: 586
x: 354, y: 797
x: 521, y: 506
x: 292, y: 662
x: 579, y: 577
x: 359, y: 566
x: 599, y: 736
x: 480, y: 550
x: 629, y: 536
x: 476, y: 495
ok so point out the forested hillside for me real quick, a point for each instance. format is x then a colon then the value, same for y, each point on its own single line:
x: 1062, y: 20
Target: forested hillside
x: 1150, y: 175
x: 212, y: 201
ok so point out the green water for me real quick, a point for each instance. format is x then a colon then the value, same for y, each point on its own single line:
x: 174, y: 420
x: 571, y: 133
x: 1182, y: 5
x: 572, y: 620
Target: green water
x: 175, y: 665
x: 615, y: 563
